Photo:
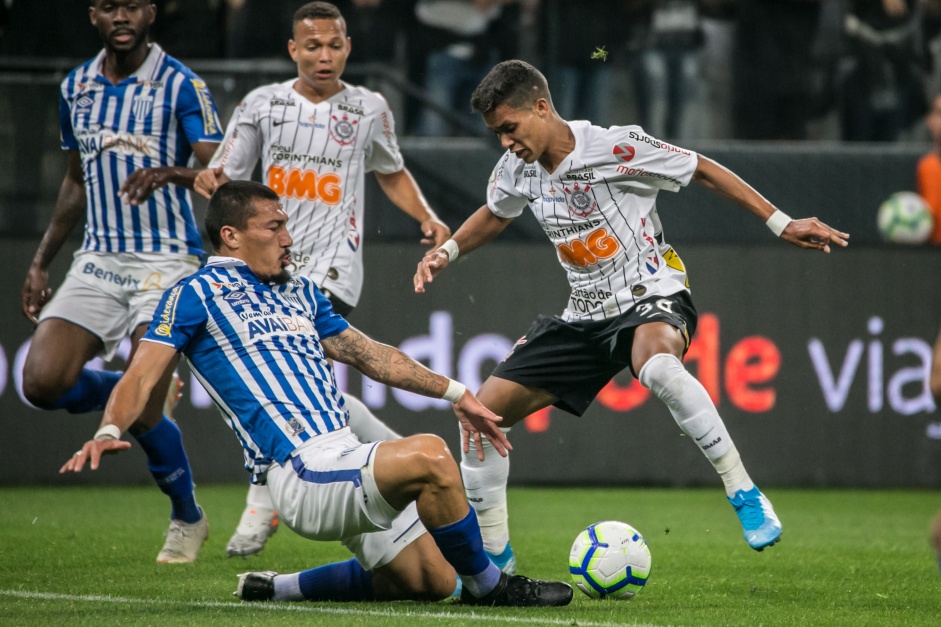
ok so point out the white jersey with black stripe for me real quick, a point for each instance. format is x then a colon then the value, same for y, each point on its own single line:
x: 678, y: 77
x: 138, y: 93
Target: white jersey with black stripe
x: 599, y: 210
x: 315, y: 156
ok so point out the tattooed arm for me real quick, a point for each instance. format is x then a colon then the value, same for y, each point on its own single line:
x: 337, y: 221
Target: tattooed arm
x: 391, y: 366
x: 384, y: 363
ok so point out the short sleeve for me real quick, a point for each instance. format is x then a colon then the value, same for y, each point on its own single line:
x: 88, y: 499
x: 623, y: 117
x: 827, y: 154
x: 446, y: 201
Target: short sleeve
x: 503, y: 199
x: 241, y: 147
x: 197, y: 112
x: 180, y: 315
x: 648, y: 162
x: 66, y: 133
x: 382, y: 152
x: 327, y: 322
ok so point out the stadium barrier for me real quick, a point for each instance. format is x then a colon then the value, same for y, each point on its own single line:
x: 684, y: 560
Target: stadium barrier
x: 818, y: 363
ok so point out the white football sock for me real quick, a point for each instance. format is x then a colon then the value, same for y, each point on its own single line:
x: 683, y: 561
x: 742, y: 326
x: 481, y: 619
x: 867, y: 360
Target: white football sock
x: 365, y: 425
x: 258, y: 510
x: 485, y: 486
x: 287, y: 588
x: 695, y: 414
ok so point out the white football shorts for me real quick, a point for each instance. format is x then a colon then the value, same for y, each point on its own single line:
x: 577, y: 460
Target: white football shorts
x: 111, y: 294
x: 326, y: 491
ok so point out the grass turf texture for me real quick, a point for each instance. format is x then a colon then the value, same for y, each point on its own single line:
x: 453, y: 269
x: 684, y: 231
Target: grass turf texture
x: 86, y: 556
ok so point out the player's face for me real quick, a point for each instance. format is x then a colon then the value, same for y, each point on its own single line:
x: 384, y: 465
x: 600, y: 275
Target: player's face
x: 933, y: 120
x: 524, y: 131
x: 265, y: 244
x: 123, y: 24
x: 320, y: 48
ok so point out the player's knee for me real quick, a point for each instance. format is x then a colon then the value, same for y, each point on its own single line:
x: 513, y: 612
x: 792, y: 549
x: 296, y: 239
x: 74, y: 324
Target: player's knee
x: 41, y: 390
x: 435, y: 459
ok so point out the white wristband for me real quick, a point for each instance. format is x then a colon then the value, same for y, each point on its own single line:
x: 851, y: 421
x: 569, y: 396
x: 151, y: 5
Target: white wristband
x: 455, y: 391
x: 108, y: 432
x: 778, y: 222
x: 450, y: 247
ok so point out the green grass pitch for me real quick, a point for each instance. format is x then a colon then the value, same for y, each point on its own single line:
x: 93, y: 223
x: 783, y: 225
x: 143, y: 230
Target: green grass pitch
x: 86, y: 556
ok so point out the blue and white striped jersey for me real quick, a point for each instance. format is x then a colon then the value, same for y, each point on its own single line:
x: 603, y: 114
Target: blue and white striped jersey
x: 150, y: 119
x: 256, y: 349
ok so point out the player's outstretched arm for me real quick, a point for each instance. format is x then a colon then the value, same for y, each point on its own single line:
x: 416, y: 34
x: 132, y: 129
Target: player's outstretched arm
x: 69, y: 211
x: 141, y: 183
x: 804, y: 233
x: 477, y: 230
x: 126, y: 403
x: 389, y: 365
x: 403, y: 191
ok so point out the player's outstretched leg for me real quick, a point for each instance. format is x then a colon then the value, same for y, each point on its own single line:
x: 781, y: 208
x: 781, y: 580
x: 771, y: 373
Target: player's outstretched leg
x: 167, y: 462
x: 485, y: 486
x: 696, y: 415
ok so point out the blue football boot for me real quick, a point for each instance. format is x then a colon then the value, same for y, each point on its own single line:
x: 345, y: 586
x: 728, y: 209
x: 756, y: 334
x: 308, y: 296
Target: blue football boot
x: 760, y: 524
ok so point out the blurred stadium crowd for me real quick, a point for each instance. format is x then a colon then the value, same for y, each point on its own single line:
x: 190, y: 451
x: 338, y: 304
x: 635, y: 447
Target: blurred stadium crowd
x: 855, y: 70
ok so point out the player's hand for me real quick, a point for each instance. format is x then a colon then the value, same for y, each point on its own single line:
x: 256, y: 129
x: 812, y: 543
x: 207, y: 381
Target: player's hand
x: 91, y: 452
x: 436, y: 233
x: 140, y: 185
x: 209, y: 180
x: 476, y: 421
x: 812, y: 233
x: 430, y: 265
x: 36, y: 293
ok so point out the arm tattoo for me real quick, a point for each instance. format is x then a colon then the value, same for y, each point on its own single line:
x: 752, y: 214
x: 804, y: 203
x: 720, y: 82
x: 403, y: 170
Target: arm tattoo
x: 384, y: 363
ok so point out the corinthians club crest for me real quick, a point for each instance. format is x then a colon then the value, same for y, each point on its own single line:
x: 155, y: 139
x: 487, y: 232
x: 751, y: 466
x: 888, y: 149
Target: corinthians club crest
x: 343, y: 130
x: 580, y: 202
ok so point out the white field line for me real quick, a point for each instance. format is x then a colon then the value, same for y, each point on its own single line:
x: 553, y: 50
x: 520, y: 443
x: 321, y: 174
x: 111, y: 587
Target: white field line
x: 304, y: 607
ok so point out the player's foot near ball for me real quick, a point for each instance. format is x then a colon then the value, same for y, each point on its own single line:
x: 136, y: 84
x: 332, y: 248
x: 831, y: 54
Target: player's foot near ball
x: 519, y: 591
x: 760, y: 525
x: 256, y: 526
x: 183, y: 541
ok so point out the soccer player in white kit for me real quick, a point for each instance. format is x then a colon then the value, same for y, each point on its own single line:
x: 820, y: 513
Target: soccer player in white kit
x: 131, y: 118
x: 260, y: 340
x: 316, y: 137
x: 593, y: 191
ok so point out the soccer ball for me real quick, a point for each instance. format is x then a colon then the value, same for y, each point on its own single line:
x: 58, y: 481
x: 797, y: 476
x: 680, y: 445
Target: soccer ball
x: 610, y: 560
x: 905, y: 218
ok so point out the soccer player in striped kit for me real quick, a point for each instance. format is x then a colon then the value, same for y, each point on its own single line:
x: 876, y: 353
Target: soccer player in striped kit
x: 260, y: 340
x: 317, y: 137
x: 593, y: 191
x: 130, y: 120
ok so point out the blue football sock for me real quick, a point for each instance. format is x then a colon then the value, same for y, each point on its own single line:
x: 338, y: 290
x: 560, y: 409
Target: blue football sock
x: 90, y: 392
x: 170, y: 467
x: 341, y: 581
x: 462, y: 547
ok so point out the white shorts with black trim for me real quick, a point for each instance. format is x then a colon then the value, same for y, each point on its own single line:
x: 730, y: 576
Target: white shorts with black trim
x: 326, y: 491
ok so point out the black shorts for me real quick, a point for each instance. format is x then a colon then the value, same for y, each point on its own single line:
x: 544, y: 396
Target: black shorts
x: 574, y: 360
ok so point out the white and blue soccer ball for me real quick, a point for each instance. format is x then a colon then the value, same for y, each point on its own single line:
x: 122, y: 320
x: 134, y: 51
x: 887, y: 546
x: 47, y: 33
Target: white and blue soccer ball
x: 905, y: 218
x: 610, y: 560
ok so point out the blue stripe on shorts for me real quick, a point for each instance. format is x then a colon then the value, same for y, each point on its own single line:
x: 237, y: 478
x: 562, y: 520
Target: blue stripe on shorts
x: 331, y: 476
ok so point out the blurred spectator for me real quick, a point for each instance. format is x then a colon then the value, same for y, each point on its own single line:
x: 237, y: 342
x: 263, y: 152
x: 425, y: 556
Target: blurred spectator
x: 666, y: 69
x: 770, y: 68
x: 882, y: 90
x: 190, y: 29
x: 458, y: 52
x: 718, y: 25
x: 27, y: 33
x: 929, y: 168
x: 571, y: 33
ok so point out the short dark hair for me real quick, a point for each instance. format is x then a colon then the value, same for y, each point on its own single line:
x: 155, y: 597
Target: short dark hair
x: 92, y: 3
x: 514, y: 83
x: 233, y: 204
x: 318, y: 11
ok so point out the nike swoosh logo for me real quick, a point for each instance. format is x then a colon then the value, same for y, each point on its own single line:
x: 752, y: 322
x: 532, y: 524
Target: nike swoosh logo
x: 707, y: 433
x: 277, y: 122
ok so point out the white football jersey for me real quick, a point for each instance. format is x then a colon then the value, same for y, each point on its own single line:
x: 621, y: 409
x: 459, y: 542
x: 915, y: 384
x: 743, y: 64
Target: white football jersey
x: 599, y: 210
x: 315, y: 157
